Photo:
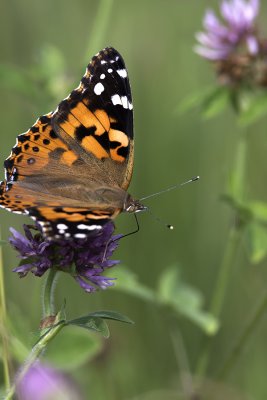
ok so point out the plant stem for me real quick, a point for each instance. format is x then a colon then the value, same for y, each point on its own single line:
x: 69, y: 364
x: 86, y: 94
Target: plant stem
x: 220, y: 291
x: 34, y: 355
x: 99, y: 27
x: 224, y: 271
x: 244, y: 337
x: 236, y: 189
x: 49, y: 333
x: 3, y: 325
x: 48, y: 293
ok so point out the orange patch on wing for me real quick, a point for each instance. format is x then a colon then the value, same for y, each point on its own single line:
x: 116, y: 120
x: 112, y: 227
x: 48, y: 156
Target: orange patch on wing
x: 66, y: 126
x: 93, y: 216
x: 115, y: 156
x: 68, y: 158
x: 50, y: 214
x: 71, y: 209
x: 92, y: 145
x: 102, y: 116
x: 73, y: 121
x: 99, y: 119
x: 83, y: 115
x: 122, y: 138
x: 118, y: 136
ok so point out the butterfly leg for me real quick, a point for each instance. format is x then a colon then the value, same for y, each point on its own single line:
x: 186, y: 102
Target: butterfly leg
x: 121, y: 237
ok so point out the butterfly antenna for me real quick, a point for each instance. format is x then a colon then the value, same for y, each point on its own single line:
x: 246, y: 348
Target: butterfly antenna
x: 171, y: 227
x: 195, y: 178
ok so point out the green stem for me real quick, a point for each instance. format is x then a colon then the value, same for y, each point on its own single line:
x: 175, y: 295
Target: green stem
x: 48, y: 293
x: 244, y: 337
x: 236, y: 190
x: 34, y: 355
x: 219, y: 293
x: 49, y: 333
x: 224, y: 271
x: 3, y: 325
x: 99, y: 27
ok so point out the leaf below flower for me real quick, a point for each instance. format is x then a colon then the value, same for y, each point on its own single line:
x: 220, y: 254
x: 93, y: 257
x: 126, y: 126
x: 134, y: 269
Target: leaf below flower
x: 91, y: 323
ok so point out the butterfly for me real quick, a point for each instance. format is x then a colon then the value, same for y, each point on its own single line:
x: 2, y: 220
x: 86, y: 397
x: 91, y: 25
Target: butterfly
x: 71, y: 170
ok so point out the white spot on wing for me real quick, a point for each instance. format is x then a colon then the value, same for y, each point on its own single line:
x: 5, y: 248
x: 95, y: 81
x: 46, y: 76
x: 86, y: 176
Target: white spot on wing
x: 80, y: 235
x: 99, y: 88
x: 89, y: 227
x: 124, y: 101
x: 102, y: 76
x: 122, y: 73
x: 62, y: 227
x: 110, y: 70
x: 116, y: 100
x: 103, y: 62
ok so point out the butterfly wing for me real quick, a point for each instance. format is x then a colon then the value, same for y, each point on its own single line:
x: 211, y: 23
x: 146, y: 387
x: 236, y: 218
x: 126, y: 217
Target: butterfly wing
x: 86, y: 143
x: 97, y: 117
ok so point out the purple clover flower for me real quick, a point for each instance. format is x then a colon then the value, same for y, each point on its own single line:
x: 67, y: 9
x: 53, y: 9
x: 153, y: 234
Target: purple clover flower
x: 220, y: 41
x: 85, y: 259
x: 43, y: 382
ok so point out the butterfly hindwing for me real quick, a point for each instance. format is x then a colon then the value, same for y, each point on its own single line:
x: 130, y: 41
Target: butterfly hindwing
x: 71, y: 169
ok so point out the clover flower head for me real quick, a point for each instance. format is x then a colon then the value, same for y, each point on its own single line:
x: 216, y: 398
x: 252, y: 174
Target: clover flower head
x: 85, y: 259
x: 42, y: 382
x: 221, y: 40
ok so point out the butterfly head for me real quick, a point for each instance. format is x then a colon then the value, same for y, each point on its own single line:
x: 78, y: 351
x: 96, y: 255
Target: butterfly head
x: 134, y: 206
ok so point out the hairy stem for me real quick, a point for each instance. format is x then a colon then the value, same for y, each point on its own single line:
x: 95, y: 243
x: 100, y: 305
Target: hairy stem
x: 48, y: 293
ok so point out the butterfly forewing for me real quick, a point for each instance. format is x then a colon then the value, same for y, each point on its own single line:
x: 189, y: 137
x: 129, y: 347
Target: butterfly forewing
x: 98, y: 117
x: 71, y: 169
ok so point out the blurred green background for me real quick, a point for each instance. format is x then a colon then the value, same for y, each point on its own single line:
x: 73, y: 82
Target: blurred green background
x: 45, y: 46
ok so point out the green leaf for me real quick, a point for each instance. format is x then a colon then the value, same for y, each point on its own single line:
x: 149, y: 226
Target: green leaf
x: 194, y: 100
x: 73, y: 348
x: 216, y: 102
x: 51, y: 68
x: 127, y: 282
x: 17, y: 80
x: 258, y: 210
x: 91, y: 323
x: 185, y: 300
x: 211, y: 101
x: 257, y: 242
x: 2, y: 242
x: 255, y: 109
x: 113, y: 315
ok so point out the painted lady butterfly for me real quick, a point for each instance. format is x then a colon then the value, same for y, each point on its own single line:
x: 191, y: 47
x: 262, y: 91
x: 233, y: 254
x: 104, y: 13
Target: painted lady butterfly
x: 71, y: 170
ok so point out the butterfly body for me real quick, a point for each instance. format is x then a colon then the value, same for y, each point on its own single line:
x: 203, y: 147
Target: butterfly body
x: 72, y: 169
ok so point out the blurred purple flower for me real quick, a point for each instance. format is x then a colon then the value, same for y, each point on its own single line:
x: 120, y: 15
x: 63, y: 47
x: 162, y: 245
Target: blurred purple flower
x: 85, y: 259
x: 220, y: 41
x: 42, y: 382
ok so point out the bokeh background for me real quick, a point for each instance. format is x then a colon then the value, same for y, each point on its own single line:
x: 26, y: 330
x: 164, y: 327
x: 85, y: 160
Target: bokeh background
x: 46, y: 46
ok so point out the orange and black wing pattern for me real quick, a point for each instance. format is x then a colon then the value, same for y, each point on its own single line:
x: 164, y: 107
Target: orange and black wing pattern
x: 98, y: 116
x: 86, y: 143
